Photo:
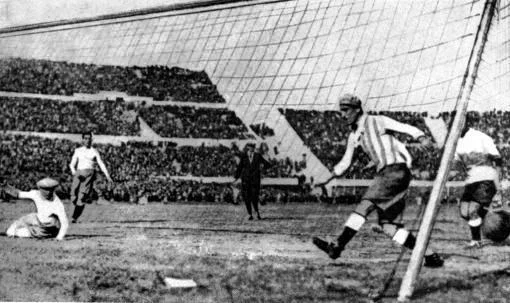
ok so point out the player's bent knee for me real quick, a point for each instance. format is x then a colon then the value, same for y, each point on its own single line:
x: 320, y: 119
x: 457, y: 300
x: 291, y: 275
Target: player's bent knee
x: 11, y: 231
x: 23, y: 232
x: 389, y: 229
x: 365, y: 207
x: 469, y: 210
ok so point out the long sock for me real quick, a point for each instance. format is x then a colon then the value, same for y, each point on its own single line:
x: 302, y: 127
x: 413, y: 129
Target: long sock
x: 475, y: 233
x: 346, y: 236
x: 78, y: 210
x: 410, y: 240
x: 352, y: 225
x: 474, y: 226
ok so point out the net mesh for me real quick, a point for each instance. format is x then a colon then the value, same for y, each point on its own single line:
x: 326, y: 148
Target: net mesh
x: 395, y: 55
x: 270, y: 55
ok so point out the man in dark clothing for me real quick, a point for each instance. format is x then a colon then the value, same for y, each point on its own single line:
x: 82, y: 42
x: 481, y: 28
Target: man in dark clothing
x: 249, y: 170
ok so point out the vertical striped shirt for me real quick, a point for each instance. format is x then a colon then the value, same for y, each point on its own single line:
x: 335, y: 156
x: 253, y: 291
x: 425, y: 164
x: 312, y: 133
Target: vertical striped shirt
x: 373, y: 134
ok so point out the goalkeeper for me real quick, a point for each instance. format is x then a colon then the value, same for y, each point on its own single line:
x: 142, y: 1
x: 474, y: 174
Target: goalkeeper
x: 50, y: 220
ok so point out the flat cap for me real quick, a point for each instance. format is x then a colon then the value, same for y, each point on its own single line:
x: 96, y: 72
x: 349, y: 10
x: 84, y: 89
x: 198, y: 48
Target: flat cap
x: 349, y: 100
x: 47, y: 183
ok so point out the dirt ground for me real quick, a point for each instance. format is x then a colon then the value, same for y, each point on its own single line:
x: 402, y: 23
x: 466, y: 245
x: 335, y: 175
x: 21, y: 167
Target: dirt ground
x: 122, y: 253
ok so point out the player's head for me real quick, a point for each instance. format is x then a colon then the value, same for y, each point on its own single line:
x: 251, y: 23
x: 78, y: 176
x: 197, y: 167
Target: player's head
x: 250, y: 148
x: 86, y: 138
x: 263, y: 148
x: 47, y: 187
x: 350, y: 108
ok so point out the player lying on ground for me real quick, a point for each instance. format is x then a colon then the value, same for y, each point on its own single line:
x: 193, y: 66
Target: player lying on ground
x: 50, y: 221
x: 477, y: 153
x: 387, y: 193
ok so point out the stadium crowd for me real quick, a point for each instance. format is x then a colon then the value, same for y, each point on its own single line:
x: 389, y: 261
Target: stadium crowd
x: 192, y: 122
x: 117, y: 117
x: 44, y: 115
x: 139, y: 168
x: 66, y: 78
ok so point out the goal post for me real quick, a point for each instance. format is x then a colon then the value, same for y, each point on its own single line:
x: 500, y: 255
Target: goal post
x: 423, y: 237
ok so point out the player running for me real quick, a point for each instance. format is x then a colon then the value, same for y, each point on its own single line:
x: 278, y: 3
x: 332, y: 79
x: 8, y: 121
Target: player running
x: 386, y: 195
x: 479, y: 156
x: 83, y: 169
x: 50, y: 220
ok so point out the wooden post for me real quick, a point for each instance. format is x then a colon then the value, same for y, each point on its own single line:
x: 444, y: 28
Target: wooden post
x: 413, y: 269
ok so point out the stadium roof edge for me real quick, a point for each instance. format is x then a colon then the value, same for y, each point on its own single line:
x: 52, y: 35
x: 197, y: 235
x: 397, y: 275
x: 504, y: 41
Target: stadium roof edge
x: 134, y: 13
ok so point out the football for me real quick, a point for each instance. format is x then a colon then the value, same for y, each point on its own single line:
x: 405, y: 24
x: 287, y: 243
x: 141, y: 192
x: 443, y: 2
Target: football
x: 496, y: 225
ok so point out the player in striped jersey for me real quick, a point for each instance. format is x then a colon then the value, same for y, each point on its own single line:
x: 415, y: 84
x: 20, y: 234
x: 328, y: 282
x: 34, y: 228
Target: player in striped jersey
x: 386, y: 195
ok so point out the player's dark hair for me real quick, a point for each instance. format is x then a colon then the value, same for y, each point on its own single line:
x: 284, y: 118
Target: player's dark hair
x: 87, y: 133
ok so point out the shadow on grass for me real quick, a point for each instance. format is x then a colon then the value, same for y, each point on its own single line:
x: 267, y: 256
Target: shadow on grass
x: 463, y: 283
x: 281, y: 218
x: 85, y: 236
x: 133, y: 221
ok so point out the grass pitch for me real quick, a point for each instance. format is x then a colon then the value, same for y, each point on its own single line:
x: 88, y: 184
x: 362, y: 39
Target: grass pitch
x: 122, y: 253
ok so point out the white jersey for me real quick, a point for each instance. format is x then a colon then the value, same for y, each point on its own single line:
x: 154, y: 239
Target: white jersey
x: 475, y: 149
x: 45, y: 208
x: 85, y: 157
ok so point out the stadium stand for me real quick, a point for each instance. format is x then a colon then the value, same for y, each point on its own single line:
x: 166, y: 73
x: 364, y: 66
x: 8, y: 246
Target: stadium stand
x: 64, y: 78
x: 43, y: 115
x: 190, y: 122
x: 139, y: 168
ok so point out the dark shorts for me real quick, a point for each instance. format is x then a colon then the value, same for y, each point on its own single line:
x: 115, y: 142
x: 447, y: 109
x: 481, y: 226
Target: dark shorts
x: 82, y: 190
x: 481, y: 192
x: 387, y: 192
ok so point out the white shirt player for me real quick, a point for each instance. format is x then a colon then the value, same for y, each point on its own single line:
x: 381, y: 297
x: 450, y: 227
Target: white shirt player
x: 475, y: 149
x: 86, y: 158
x: 46, y: 208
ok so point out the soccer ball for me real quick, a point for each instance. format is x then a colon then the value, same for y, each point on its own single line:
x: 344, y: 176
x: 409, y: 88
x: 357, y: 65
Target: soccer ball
x: 496, y: 225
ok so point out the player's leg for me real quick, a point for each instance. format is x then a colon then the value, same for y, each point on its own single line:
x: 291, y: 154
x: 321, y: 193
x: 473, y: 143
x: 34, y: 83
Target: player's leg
x: 22, y: 228
x: 351, y: 227
x: 388, y: 215
x: 356, y: 219
x: 245, y: 191
x: 86, y: 178
x: 476, y: 197
x: 75, y: 187
x: 255, y: 200
x: 469, y: 211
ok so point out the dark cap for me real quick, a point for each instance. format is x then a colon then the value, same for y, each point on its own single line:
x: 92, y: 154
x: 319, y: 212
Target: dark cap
x: 349, y: 100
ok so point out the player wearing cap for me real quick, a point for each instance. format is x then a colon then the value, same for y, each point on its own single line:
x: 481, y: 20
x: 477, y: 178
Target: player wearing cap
x: 83, y: 165
x: 50, y: 220
x: 386, y: 195
x: 477, y: 153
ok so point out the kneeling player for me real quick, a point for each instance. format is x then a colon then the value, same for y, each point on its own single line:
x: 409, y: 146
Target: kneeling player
x: 50, y: 221
x: 386, y: 196
x: 480, y: 156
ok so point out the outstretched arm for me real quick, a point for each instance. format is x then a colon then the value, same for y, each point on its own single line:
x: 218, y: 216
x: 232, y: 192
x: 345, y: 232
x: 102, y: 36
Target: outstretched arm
x: 64, y: 223
x: 396, y: 126
x: 73, y: 163
x: 103, y: 167
x: 346, y: 161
